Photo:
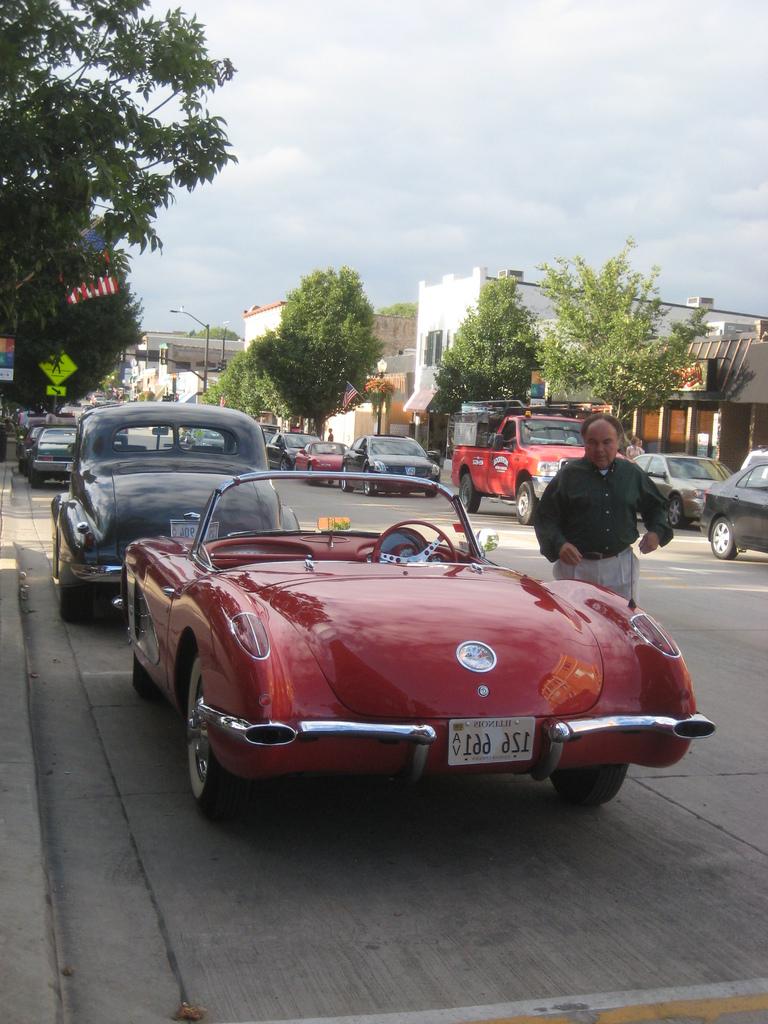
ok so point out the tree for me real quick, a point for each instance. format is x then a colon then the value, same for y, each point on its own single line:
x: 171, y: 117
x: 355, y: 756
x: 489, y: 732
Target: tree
x: 325, y: 339
x: 494, y: 350
x: 608, y: 335
x: 399, y: 309
x: 92, y: 333
x: 243, y: 386
x: 102, y: 110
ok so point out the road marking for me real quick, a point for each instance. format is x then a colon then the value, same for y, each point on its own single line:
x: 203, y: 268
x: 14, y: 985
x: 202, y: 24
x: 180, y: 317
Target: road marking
x: 704, y: 1003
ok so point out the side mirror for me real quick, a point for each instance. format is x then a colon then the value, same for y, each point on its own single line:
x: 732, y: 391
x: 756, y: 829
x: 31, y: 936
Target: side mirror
x: 497, y: 443
x: 434, y: 456
x: 487, y: 539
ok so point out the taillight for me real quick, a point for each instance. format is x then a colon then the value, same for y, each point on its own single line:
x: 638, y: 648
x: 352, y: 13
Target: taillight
x: 653, y: 634
x: 249, y: 631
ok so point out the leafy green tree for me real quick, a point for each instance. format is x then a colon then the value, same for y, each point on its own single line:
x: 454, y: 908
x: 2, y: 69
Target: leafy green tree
x: 220, y: 333
x: 325, y: 339
x: 399, y: 309
x: 92, y: 333
x: 243, y: 386
x: 494, y: 350
x: 102, y: 111
x: 608, y: 335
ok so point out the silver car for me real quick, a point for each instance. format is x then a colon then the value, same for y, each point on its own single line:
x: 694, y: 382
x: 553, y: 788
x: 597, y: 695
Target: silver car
x: 684, y: 481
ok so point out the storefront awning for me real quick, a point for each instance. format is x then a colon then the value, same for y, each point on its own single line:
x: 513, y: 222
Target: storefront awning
x: 419, y: 400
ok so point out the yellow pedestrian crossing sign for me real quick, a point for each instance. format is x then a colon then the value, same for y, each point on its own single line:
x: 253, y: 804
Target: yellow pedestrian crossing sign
x: 58, y: 368
x: 57, y: 390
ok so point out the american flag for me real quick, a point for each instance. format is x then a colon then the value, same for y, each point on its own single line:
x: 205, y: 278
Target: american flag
x: 93, y: 289
x: 350, y: 393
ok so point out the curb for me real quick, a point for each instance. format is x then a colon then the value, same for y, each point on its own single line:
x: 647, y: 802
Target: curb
x: 29, y: 987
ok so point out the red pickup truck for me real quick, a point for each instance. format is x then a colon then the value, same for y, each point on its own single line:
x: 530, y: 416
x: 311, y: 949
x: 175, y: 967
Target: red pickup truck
x: 512, y: 454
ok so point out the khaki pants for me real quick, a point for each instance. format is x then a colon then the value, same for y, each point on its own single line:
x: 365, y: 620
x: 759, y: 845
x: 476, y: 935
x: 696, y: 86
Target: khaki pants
x: 618, y: 574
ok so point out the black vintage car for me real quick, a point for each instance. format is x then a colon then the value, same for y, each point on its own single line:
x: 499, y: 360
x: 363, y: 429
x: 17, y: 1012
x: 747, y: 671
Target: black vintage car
x: 283, y: 448
x: 384, y: 453
x: 140, y: 470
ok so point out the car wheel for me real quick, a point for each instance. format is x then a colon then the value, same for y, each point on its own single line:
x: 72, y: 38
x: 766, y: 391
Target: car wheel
x: 346, y: 486
x: 76, y: 603
x: 722, y: 541
x: 285, y: 464
x: 468, y: 496
x: 675, y: 513
x: 369, y: 488
x: 525, y: 503
x: 218, y: 793
x: 142, y: 682
x: 589, y: 786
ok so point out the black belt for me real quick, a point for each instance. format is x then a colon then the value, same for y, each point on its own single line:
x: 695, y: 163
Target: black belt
x: 596, y: 556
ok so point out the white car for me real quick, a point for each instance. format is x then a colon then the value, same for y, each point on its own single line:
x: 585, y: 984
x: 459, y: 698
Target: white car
x: 756, y: 455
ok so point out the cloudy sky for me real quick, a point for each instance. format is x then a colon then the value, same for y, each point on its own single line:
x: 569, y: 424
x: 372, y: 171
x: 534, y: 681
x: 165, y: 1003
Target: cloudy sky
x: 416, y: 138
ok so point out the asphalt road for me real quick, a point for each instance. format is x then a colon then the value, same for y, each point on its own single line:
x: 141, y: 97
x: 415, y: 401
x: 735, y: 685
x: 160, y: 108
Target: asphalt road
x: 353, y: 897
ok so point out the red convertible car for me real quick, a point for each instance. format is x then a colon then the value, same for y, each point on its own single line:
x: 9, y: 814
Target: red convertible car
x: 321, y: 455
x: 299, y: 632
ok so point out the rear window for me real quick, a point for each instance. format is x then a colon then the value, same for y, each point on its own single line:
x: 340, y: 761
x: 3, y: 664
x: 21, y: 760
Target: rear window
x: 162, y: 437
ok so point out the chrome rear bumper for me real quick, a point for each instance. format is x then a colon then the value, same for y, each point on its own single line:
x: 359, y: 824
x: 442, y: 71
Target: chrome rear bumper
x: 566, y: 731
x: 421, y: 736
x: 277, y: 734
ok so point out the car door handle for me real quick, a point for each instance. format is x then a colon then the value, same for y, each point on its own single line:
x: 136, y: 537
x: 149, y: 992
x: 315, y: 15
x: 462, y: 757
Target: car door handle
x: 169, y: 591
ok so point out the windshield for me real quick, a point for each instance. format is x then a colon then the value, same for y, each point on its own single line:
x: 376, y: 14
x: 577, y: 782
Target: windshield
x: 396, y: 446
x: 551, y: 432
x: 327, y: 448
x: 269, y: 517
x: 698, y: 469
x: 57, y: 437
x: 298, y: 440
x: 162, y: 437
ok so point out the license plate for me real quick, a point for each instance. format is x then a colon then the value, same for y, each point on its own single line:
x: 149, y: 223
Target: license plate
x: 183, y: 530
x: 490, y: 740
x: 410, y: 471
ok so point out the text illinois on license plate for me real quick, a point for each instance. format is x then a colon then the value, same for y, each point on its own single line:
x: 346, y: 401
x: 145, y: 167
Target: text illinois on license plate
x: 490, y: 740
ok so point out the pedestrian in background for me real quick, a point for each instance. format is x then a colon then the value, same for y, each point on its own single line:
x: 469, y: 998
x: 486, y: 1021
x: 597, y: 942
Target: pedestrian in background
x: 586, y: 521
x: 634, y: 448
x: 330, y: 435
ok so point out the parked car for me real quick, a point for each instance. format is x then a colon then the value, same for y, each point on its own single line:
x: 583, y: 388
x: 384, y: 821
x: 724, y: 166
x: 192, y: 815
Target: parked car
x: 296, y: 637
x: 321, y: 455
x: 384, y: 453
x: 140, y: 470
x: 756, y: 455
x: 50, y: 457
x: 269, y: 430
x: 24, y: 445
x: 283, y: 448
x: 684, y: 481
x: 735, y: 514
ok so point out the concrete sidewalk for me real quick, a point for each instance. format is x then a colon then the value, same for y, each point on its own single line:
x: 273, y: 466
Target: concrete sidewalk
x: 29, y: 976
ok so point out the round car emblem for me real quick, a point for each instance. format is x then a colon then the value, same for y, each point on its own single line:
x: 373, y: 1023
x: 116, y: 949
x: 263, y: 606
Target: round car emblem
x: 483, y: 691
x: 476, y: 656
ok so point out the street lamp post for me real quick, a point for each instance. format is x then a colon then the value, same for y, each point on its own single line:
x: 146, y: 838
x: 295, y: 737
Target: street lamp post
x: 207, y: 342
x: 381, y: 366
x: 224, y: 344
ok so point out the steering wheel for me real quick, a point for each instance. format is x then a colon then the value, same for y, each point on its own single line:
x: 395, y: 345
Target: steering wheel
x: 410, y: 546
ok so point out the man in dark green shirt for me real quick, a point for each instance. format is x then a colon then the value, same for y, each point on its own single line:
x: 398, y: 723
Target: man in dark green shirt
x: 586, y: 521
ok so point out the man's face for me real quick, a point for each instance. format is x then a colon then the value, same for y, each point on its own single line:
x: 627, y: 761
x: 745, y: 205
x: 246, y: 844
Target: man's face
x: 601, y: 444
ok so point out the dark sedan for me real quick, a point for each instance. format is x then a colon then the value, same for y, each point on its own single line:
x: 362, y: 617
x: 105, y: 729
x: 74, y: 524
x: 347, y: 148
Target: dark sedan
x: 140, y: 470
x: 283, y: 448
x: 735, y: 516
x: 377, y: 453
